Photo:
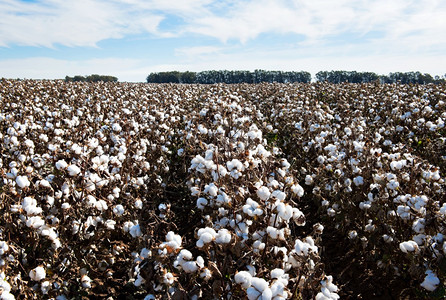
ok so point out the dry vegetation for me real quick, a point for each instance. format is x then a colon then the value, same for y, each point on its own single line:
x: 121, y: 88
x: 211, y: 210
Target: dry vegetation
x: 268, y: 191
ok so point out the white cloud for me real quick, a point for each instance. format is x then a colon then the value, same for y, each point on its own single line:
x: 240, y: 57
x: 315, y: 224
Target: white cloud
x: 86, y: 22
x: 70, y: 23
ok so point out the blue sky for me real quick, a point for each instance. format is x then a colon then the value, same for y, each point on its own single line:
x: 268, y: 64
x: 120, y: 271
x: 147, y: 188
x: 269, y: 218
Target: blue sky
x: 131, y: 38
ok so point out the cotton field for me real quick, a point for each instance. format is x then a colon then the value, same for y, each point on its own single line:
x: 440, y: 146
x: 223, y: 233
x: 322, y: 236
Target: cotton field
x: 267, y: 191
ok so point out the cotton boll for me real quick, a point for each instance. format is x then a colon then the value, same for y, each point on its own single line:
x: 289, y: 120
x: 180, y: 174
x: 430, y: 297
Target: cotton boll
x: 22, y: 181
x: 359, y: 180
x: 223, y: 236
x: 37, y: 274
x: 431, y: 281
x: 297, y: 190
x: 135, y: 231
x: 138, y: 204
x: 73, y: 170
x: 3, y: 247
x: 201, y: 203
x: 168, y: 279
x: 263, y: 193
x: 61, y: 164
x: 409, y: 246
x: 118, y: 210
x: 45, y: 287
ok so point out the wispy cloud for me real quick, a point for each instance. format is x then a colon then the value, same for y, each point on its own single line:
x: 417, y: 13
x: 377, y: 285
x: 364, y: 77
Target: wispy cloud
x: 86, y: 22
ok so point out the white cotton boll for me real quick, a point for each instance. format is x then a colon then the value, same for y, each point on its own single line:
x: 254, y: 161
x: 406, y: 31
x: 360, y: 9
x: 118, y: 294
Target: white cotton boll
x: 116, y: 127
x: 22, y: 181
x: 86, y: 281
x: 138, y: 204
x: 3, y: 247
x: 73, y: 170
x: 37, y: 274
x: 201, y: 202
x: 35, y: 222
x: 272, y: 232
x: 168, y: 279
x: 253, y: 294
x: 211, y: 189
x: 30, y: 206
x: 358, y: 180
x: 279, y: 195
x: 206, y: 237
x: 409, y: 246
x: 223, y: 236
x: 393, y: 184
x: 263, y: 193
x: 190, y: 266
x: 309, y: 180
x: 119, y: 210
x: 45, y: 287
x: 418, y: 225
x: 277, y: 273
x: 101, y: 205
x: 135, y: 231
x: 297, y: 190
x: 431, y: 281
x: 44, y: 183
x: 206, y: 274
x: 259, y: 284
x: 267, y: 294
x: 61, y: 164
x: 110, y: 224
x: 285, y: 212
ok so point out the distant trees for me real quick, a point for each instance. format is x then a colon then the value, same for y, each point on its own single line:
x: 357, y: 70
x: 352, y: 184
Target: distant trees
x: 363, y: 77
x: 225, y: 76
x: 346, y: 76
x: 91, y: 78
x: 258, y: 76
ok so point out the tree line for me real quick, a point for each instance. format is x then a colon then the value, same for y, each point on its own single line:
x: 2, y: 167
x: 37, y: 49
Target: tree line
x: 363, y: 77
x: 91, y: 78
x: 225, y: 76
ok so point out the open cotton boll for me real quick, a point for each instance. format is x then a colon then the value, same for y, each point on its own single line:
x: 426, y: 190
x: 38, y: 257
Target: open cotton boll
x: 409, y: 246
x: 61, y: 164
x: 252, y: 208
x: 118, y: 210
x: 205, y: 236
x: 135, y: 231
x: 297, y: 189
x: 37, y: 274
x: 73, y: 170
x: 3, y: 247
x: 201, y: 202
x: 263, y: 193
x: 211, y: 189
x: 223, y: 237
x: 30, y: 206
x: 86, y: 281
x: 328, y: 290
x: 358, y: 180
x: 431, y: 281
x: 35, y: 222
x: 22, y: 181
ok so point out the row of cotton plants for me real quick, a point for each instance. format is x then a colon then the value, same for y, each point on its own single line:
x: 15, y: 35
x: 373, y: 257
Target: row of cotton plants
x: 367, y: 154
x: 154, y: 191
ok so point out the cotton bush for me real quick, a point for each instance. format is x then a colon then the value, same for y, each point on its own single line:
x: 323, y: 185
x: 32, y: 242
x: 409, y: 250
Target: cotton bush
x: 218, y: 191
